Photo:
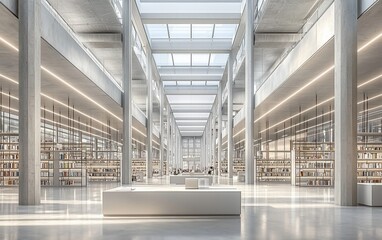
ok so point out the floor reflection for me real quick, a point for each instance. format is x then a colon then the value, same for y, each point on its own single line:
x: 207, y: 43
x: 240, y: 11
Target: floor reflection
x: 269, y: 211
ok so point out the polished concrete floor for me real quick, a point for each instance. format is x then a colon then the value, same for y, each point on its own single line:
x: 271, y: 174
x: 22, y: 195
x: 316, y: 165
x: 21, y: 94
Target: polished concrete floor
x: 269, y: 211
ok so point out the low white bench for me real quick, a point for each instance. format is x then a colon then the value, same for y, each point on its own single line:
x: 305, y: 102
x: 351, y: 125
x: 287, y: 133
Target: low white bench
x: 181, y: 179
x: 174, y: 201
x: 369, y: 194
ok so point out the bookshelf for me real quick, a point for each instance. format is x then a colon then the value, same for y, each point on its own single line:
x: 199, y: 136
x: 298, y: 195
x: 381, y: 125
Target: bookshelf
x: 313, y: 163
x: 274, y: 166
x: 369, y: 158
x: 9, y: 160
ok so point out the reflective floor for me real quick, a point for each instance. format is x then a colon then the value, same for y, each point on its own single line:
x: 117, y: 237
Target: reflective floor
x: 269, y: 211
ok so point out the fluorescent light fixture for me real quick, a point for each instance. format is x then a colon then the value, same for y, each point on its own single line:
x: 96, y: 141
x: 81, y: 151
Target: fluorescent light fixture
x: 369, y: 43
x: 296, y: 115
x: 369, y: 81
x: 296, y: 92
x: 9, y: 44
x: 64, y: 82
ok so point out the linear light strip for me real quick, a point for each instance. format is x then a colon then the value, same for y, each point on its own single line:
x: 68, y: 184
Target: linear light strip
x: 69, y: 127
x: 308, y: 120
x: 60, y: 115
x: 296, y: 115
x: 317, y: 78
x: 61, y: 103
x: 297, y: 92
x: 80, y: 92
x: 64, y: 82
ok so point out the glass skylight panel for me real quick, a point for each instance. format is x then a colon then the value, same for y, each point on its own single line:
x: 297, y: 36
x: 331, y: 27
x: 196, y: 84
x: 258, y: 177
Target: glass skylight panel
x: 198, y: 83
x: 202, y: 30
x: 163, y: 59
x: 212, y: 83
x: 225, y: 30
x: 157, y: 30
x: 184, y: 83
x: 182, y: 59
x: 180, y: 30
x: 200, y: 59
x: 169, y: 83
x: 218, y: 59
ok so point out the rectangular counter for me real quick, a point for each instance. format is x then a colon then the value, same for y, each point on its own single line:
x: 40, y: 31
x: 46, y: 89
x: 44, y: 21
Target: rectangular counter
x: 369, y: 194
x: 180, y: 179
x: 171, y: 201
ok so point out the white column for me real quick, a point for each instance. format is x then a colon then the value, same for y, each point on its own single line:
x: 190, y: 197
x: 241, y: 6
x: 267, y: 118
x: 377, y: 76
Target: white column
x: 162, y: 130
x: 127, y: 152
x: 213, y: 145
x: 249, y: 92
x: 219, y: 132
x: 30, y: 101
x: 345, y: 92
x: 168, y: 140
x: 149, y: 123
x: 230, y: 117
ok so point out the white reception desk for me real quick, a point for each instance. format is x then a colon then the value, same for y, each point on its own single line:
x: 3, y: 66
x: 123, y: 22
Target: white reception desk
x: 369, y: 194
x: 181, y: 179
x: 171, y: 201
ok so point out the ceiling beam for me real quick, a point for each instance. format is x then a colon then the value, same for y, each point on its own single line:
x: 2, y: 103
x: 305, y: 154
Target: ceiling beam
x: 191, y: 90
x: 189, y: 18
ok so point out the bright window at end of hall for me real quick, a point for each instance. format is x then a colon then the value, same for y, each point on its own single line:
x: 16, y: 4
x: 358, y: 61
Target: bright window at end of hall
x: 157, y: 30
x: 200, y: 59
x: 218, y: 59
x: 163, y: 59
x: 225, y: 30
x: 182, y: 59
x: 180, y: 30
x: 202, y: 30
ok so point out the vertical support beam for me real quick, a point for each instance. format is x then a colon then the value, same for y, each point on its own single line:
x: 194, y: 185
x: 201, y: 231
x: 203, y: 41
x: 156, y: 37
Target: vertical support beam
x: 249, y: 92
x: 213, y: 145
x: 149, y: 112
x: 127, y: 152
x: 345, y: 90
x: 230, y: 117
x: 162, y: 133
x: 30, y: 101
x: 219, y: 113
x: 168, y: 156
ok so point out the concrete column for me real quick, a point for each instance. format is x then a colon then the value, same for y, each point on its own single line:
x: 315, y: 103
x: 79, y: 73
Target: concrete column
x: 30, y: 101
x: 230, y: 117
x: 162, y: 130
x: 168, y: 140
x: 219, y: 117
x: 149, y: 113
x: 345, y: 92
x: 249, y: 94
x: 127, y: 152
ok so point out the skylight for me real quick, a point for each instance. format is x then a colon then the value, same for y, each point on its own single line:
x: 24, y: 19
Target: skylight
x: 225, y: 30
x: 188, y: 31
x: 184, y: 83
x: 179, y: 30
x: 202, y: 30
x: 200, y: 59
x: 164, y: 59
x: 199, y: 83
x: 218, y: 59
x: 157, y: 30
x: 188, y: 59
x: 182, y: 59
